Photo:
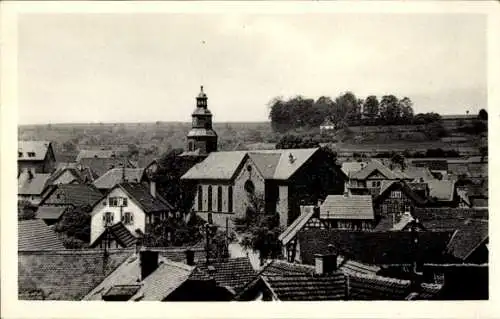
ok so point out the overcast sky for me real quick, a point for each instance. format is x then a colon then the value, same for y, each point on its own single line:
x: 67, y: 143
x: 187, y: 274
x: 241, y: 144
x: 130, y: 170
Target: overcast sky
x: 148, y: 67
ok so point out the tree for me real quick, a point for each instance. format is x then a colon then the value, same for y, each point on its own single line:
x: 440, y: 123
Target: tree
x: 171, y: 167
x: 483, y: 115
x: 406, y: 106
x: 290, y: 141
x: 25, y: 210
x: 173, y: 231
x: 390, y: 109
x: 370, y: 107
x: 398, y: 159
x: 347, y: 108
x: 259, y: 229
x: 75, y: 224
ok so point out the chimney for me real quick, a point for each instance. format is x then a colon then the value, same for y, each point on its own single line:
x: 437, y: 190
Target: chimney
x: 149, y: 262
x: 291, y: 158
x: 152, y: 188
x: 325, y: 263
x: 30, y: 175
x: 190, y: 257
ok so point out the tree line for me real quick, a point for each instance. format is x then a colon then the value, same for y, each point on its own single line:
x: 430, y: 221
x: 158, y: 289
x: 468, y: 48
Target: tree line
x: 345, y: 110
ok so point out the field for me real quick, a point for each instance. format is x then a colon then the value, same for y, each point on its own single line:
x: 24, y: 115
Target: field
x: 156, y: 138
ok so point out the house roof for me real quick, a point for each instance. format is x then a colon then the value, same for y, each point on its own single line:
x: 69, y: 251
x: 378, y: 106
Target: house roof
x: 373, y: 287
x: 72, y: 194
x: 441, y: 190
x: 303, y: 287
x: 376, y: 166
x: 233, y: 273
x: 292, y: 230
x: 39, y: 148
x: 34, y: 234
x: 120, y: 233
x: 157, y: 286
x: 114, y: 176
x: 100, y: 166
x: 352, y: 167
x: 273, y: 164
x: 65, y: 274
x: 347, y: 207
x: 60, y: 171
x: 399, y: 185
x: 141, y: 194
x: 417, y: 173
x: 374, y: 248
x: 34, y: 186
x: 467, y: 238
x: 50, y: 212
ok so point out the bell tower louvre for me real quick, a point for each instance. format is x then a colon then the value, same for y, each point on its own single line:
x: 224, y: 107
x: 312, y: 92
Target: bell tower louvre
x: 201, y: 139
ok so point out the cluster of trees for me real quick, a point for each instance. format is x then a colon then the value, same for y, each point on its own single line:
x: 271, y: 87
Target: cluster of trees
x: 259, y: 230
x: 346, y: 109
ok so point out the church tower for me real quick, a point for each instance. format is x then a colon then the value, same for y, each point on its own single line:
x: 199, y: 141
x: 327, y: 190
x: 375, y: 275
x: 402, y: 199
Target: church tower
x: 201, y: 139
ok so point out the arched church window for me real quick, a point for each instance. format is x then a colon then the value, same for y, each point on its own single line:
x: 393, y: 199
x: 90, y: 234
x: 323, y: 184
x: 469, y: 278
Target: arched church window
x: 209, y: 198
x: 249, y: 187
x: 200, y: 198
x: 219, y: 199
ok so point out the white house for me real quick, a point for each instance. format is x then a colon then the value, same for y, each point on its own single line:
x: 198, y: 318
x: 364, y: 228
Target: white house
x: 135, y: 205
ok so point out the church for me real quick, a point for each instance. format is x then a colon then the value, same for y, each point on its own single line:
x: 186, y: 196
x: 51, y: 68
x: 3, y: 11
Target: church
x: 227, y: 182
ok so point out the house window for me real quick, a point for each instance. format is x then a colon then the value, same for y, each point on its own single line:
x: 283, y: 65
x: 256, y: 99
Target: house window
x: 128, y: 218
x: 396, y: 194
x: 108, y: 218
x: 219, y: 199
x: 191, y: 146
x: 31, y: 154
x: 376, y: 184
x: 210, y: 218
x: 200, y: 198
x: 209, y: 198
x: 118, y: 202
x: 407, y: 208
x: 230, y: 199
x: 20, y: 154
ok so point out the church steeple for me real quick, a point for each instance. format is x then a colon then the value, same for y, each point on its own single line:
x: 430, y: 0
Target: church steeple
x: 201, y: 139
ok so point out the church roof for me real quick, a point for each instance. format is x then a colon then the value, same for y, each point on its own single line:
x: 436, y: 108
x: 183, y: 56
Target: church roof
x: 201, y: 132
x: 273, y: 164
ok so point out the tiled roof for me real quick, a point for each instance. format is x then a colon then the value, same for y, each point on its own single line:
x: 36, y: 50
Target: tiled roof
x: 60, y: 171
x: 72, y: 194
x: 223, y: 165
x: 34, y: 234
x: 233, y: 273
x: 292, y: 230
x: 302, y: 287
x: 50, y: 212
x: 375, y: 248
x: 100, y: 166
x: 40, y: 149
x: 373, y: 166
x: 33, y: 186
x: 114, y: 176
x: 351, y: 167
x: 157, y: 286
x: 266, y: 163
x: 142, y: 195
x: 65, y: 275
x: 448, y: 219
x: 442, y: 190
x: 467, y: 238
x: 399, y: 185
x: 122, y: 290
x: 347, y: 207
x: 178, y: 254
x: 120, y: 233
x: 372, y: 287
x: 418, y: 173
